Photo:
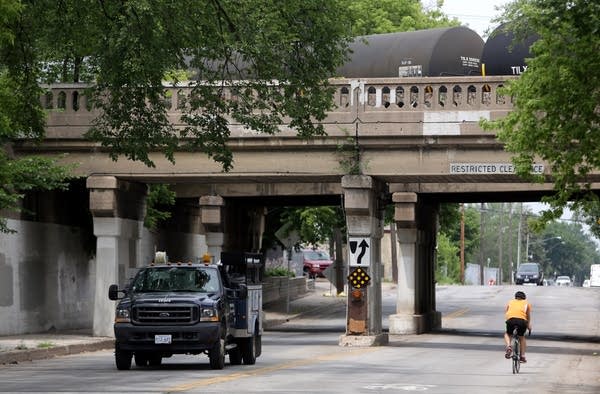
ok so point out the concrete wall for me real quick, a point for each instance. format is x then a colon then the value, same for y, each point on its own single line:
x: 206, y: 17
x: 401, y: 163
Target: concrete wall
x: 46, y: 278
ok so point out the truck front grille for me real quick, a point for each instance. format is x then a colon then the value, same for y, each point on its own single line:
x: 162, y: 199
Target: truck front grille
x: 161, y: 314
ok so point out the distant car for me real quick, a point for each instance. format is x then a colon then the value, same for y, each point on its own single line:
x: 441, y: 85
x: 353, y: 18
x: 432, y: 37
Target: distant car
x: 529, y: 273
x: 315, y: 262
x: 586, y: 283
x: 563, y: 281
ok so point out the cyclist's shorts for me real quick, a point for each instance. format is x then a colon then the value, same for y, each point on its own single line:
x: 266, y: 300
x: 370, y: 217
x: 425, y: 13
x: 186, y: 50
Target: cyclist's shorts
x: 520, y: 323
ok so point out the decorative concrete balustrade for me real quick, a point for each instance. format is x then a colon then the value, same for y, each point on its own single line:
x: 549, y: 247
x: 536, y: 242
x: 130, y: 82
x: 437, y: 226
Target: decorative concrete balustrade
x: 438, y: 102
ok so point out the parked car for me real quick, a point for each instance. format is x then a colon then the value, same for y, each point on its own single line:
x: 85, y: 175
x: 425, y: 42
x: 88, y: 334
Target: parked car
x: 563, y: 281
x: 529, y: 273
x: 315, y: 262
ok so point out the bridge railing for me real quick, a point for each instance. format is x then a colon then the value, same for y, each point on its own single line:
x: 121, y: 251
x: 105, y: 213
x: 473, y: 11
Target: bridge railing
x: 389, y: 101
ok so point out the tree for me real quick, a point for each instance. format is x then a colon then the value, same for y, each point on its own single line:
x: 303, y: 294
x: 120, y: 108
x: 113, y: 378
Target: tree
x: 20, y: 117
x: 563, y: 248
x: 389, y: 16
x: 276, y: 57
x: 448, y: 262
x: 315, y: 225
x: 556, y: 115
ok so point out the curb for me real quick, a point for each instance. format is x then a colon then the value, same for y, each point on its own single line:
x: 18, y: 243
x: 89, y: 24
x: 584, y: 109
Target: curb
x: 17, y: 356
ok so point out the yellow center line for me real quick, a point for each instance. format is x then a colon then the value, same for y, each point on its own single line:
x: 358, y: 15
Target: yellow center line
x: 265, y: 370
x: 456, y: 313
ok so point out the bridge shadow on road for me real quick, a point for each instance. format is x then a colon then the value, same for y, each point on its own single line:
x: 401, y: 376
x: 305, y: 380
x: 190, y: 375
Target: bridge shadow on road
x: 462, y: 340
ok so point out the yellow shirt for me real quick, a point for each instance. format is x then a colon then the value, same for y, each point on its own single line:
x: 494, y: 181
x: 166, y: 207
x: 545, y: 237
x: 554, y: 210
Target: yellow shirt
x: 518, y: 309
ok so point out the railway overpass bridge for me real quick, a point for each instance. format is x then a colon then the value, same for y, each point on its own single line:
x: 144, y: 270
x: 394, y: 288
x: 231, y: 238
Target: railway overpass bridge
x: 418, y: 144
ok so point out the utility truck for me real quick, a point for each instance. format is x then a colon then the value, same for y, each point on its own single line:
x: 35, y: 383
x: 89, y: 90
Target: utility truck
x: 191, y: 308
x: 595, y: 275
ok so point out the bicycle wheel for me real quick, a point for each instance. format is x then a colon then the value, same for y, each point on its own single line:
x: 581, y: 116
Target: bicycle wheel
x: 516, y: 357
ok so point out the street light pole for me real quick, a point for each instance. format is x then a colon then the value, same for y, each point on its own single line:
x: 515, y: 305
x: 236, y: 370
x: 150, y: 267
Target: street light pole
x: 519, y: 233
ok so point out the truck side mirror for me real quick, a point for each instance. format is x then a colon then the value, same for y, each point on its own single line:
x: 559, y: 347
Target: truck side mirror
x: 113, y: 292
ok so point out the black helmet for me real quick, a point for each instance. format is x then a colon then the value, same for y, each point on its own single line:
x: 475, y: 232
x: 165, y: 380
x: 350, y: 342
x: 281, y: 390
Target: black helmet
x: 520, y: 295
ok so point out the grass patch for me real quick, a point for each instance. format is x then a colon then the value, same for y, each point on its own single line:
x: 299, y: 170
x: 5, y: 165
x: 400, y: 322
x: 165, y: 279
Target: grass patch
x: 45, y: 345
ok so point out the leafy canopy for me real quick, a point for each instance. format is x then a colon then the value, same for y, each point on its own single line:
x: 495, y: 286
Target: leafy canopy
x: 20, y: 116
x: 277, y: 57
x: 556, y: 116
x: 390, y: 16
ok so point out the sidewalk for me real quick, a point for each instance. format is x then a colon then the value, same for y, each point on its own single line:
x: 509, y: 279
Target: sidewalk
x: 28, y: 347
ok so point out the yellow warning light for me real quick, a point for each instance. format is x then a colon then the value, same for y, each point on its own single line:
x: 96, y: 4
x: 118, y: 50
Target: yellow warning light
x: 358, y: 278
x: 206, y: 258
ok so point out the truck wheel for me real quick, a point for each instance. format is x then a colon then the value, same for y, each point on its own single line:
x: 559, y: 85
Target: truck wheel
x: 140, y: 360
x: 235, y: 355
x: 154, y: 361
x: 122, y: 359
x: 217, y: 355
x: 258, y: 346
x: 249, y: 350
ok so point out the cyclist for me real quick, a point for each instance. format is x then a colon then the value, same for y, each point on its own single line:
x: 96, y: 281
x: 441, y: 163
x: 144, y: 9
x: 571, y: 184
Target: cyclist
x: 518, y: 313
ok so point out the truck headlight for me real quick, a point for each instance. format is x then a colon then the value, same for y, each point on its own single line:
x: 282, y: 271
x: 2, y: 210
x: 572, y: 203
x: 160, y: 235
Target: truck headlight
x: 122, y: 315
x: 209, y: 314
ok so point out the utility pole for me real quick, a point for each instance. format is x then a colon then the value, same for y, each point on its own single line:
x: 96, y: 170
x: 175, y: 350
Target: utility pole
x: 500, y: 244
x: 519, y: 233
x: 462, y: 243
x: 481, y: 232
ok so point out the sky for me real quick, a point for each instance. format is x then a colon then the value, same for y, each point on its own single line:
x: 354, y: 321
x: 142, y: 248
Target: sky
x: 477, y: 14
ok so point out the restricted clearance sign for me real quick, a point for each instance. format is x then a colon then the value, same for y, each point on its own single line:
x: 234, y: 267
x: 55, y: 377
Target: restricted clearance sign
x: 490, y: 168
x: 360, y: 255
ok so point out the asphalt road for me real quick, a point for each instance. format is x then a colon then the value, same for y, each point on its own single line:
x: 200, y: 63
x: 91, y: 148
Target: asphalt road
x: 303, y: 355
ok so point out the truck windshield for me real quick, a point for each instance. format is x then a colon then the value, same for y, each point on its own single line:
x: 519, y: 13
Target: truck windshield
x: 183, y: 279
x: 528, y: 268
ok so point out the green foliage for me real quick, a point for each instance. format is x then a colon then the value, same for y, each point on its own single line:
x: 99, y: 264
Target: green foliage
x: 159, y: 197
x: 349, y: 156
x: 31, y: 173
x: 279, y: 271
x: 570, y: 255
x: 127, y: 49
x: 388, y: 16
x: 448, y: 261
x: 314, y: 224
x: 555, y: 117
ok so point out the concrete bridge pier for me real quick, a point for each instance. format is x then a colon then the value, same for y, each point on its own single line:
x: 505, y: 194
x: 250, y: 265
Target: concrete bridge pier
x: 118, y: 211
x: 212, y: 219
x: 416, y: 224
x: 364, y: 221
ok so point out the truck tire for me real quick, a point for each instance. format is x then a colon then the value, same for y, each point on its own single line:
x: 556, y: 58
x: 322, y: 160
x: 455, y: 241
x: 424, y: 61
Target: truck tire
x: 217, y: 355
x: 154, y: 361
x: 249, y: 350
x: 235, y: 355
x: 141, y: 360
x: 122, y: 359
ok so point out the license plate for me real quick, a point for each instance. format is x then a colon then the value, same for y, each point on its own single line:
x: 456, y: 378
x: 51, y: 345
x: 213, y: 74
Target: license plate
x: 162, y: 338
x: 526, y: 279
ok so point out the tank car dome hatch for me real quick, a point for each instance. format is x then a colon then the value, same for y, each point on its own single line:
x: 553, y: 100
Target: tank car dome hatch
x: 427, y: 53
x: 504, y: 56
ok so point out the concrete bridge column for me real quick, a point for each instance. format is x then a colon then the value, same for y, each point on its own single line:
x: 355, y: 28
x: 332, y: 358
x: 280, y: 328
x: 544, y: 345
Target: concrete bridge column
x: 118, y: 210
x: 364, y: 220
x: 212, y: 219
x: 416, y: 224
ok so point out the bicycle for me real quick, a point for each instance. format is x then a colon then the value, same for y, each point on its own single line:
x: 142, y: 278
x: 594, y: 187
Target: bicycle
x: 516, y: 350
